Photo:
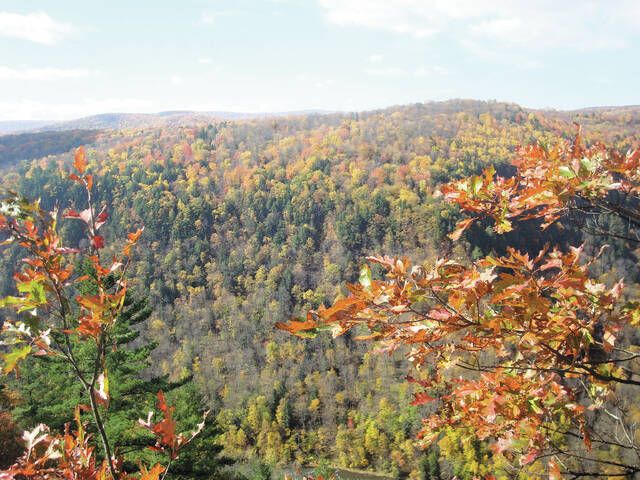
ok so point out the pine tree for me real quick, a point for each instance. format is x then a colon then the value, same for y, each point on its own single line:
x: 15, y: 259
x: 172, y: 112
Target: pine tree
x: 430, y: 465
x: 49, y: 393
x: 203, y: 457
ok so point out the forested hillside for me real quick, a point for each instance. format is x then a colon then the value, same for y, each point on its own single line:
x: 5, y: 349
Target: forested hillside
x: 29, y: 146
x: 251, y: 222
x: 121, y: 121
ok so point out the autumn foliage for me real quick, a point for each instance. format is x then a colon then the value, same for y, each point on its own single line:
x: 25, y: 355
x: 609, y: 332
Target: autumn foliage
x: 52, y: 317
x: 526, y: 359
x: 520, y: 351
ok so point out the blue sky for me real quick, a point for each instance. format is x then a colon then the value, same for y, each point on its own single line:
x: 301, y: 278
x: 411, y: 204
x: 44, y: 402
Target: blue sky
x: 65, y: 58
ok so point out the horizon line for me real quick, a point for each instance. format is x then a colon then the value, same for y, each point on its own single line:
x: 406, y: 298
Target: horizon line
x: 311, y: 111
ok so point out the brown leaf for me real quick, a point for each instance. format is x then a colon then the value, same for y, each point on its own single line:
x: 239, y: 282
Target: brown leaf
x: 296, y: 326
x: 461, y: 226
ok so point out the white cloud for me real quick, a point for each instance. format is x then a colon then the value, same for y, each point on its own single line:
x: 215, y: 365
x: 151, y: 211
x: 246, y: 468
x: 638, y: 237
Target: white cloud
x: 497, y: 27
x: 528, y: 64
x: 25, y: 109
x: 382, y: 14
x: 209, y: 18
x: 219, y: 107
x: 509, y: 57
x: 430, y: 71
x: 376, y: 69
x: 42, y: 74
x: 386, y: 71
x: 176, y: 79
x: 204, y: 60
x: 533, y: 24
x: 324, y: 83
x: 36, y: 27
x: 422, y: 71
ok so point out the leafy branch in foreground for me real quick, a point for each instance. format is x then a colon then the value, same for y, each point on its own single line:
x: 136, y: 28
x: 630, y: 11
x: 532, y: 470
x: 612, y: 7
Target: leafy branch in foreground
x: 54, y: 316
x: 529, y: 354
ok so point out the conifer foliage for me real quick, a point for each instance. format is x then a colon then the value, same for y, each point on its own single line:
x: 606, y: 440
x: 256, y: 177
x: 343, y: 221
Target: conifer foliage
x: 54, y: 316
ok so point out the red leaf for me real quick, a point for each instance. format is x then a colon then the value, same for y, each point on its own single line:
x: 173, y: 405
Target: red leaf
x: 421, y: 398
x: 98, y: 242
x: 132, y: 239
x: 134, y: 236
x: 84, y: 215
x: 66, y: 250
x: 80, y: 160
x: 529, y: 457
x: 101, y: 219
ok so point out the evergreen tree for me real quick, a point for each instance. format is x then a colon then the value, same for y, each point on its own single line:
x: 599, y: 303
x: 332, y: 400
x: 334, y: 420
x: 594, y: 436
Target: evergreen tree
x: 49, y: 394
x: 202, y: 459
x: 430, y: 465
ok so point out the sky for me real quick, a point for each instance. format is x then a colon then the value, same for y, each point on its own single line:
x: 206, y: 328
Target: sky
x: 63, y: 59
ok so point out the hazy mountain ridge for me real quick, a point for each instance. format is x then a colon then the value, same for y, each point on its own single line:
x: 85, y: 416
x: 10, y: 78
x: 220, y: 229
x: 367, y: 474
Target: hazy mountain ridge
x: 28, y: 146
x: 56, y: 138
x: 119, y: 120
x: 17, y: 126
x: 181, y: 118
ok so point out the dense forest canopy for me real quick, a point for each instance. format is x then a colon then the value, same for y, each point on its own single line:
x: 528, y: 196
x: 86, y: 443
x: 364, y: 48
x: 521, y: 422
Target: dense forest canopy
x: 28, y: 146
x: 249, y: 223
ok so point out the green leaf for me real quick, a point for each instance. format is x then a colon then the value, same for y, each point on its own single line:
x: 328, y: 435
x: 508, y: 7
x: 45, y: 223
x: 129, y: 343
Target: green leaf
x: 503, y: 226
x: 588, y: 164
x: 37, y: 295
x: 6, y: 301
x: 308, y: 333
x: 12, y: 358
x: 365, y: 277
x: 534, y: 406
x: 566, y: 172
x: 476, y: 185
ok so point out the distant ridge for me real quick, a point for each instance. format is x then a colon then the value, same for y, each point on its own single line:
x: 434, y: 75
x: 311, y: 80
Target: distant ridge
x: 28, y: 145
x: 35, y: 140
x: 178, y: 118
x: 606, y: 108
x: 18, y: 126
x: 171, y: 118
